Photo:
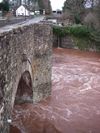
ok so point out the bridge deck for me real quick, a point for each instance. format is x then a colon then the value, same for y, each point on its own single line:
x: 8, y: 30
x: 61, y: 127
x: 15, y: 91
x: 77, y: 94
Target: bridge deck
x: 20, y: 24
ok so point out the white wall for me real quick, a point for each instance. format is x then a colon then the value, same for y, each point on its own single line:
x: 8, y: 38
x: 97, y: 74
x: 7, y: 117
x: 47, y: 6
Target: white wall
x: 21, y: 11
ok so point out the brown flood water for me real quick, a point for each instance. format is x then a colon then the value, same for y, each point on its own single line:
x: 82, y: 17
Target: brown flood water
x: 74, y: 106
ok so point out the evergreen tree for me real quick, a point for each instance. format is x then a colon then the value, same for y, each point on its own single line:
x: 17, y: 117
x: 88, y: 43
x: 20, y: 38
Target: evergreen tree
x: 4, y: 6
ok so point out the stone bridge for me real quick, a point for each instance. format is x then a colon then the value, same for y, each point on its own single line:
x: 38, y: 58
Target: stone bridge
x: 25, y: 67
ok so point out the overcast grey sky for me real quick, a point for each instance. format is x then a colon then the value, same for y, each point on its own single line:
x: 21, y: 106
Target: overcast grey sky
x: 57, y: 4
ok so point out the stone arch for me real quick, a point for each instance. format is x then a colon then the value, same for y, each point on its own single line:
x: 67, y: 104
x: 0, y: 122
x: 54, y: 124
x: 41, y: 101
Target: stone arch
x: 25, y: 90
x: 25, y: 69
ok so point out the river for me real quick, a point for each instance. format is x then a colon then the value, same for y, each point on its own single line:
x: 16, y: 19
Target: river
x: 74, y: 105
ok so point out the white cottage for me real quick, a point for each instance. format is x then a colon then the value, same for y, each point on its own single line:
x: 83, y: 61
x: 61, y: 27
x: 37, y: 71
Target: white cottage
x: 22, y: 11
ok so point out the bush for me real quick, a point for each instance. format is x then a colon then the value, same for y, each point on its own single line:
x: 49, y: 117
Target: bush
x: 60, y: 31
x: 84, y: 37
x: 95, y: 36
x: 79, y: 31
x: 75, y: 30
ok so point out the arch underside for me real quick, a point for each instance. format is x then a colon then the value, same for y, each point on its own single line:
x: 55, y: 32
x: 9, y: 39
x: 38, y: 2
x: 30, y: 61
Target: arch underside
x: 24, y: 91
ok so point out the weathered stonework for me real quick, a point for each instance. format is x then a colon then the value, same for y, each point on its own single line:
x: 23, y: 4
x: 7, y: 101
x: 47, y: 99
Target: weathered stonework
x: 63, y: 42
x: 70, y: 43
x: 67, y: 42
x: 25, y: 48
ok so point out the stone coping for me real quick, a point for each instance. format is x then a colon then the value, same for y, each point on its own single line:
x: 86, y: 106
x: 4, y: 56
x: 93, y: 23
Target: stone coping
x: 21, y: 24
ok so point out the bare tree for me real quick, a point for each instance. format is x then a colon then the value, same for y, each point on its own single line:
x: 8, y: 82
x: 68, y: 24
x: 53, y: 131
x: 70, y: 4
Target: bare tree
x: 76, y: 8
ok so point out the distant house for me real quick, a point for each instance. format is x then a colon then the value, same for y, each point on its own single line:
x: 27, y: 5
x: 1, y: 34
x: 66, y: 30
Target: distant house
x: 57, y: 12
x: 23, y: 11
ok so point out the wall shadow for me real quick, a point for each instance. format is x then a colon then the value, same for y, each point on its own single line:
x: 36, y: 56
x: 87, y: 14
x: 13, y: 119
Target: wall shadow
x: 24, y: 91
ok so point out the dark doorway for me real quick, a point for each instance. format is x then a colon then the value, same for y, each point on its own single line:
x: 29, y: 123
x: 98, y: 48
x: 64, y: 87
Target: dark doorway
x: 24, y: 90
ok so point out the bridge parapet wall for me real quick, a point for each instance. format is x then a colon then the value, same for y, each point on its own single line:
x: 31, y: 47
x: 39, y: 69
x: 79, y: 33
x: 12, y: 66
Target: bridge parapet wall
x: 25, y: 48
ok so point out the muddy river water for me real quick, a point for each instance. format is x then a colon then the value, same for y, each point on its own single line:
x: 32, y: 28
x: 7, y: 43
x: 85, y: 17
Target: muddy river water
x: 74, y: 105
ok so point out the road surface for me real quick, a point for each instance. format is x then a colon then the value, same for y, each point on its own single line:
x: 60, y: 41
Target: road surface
x: 27, y: 22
